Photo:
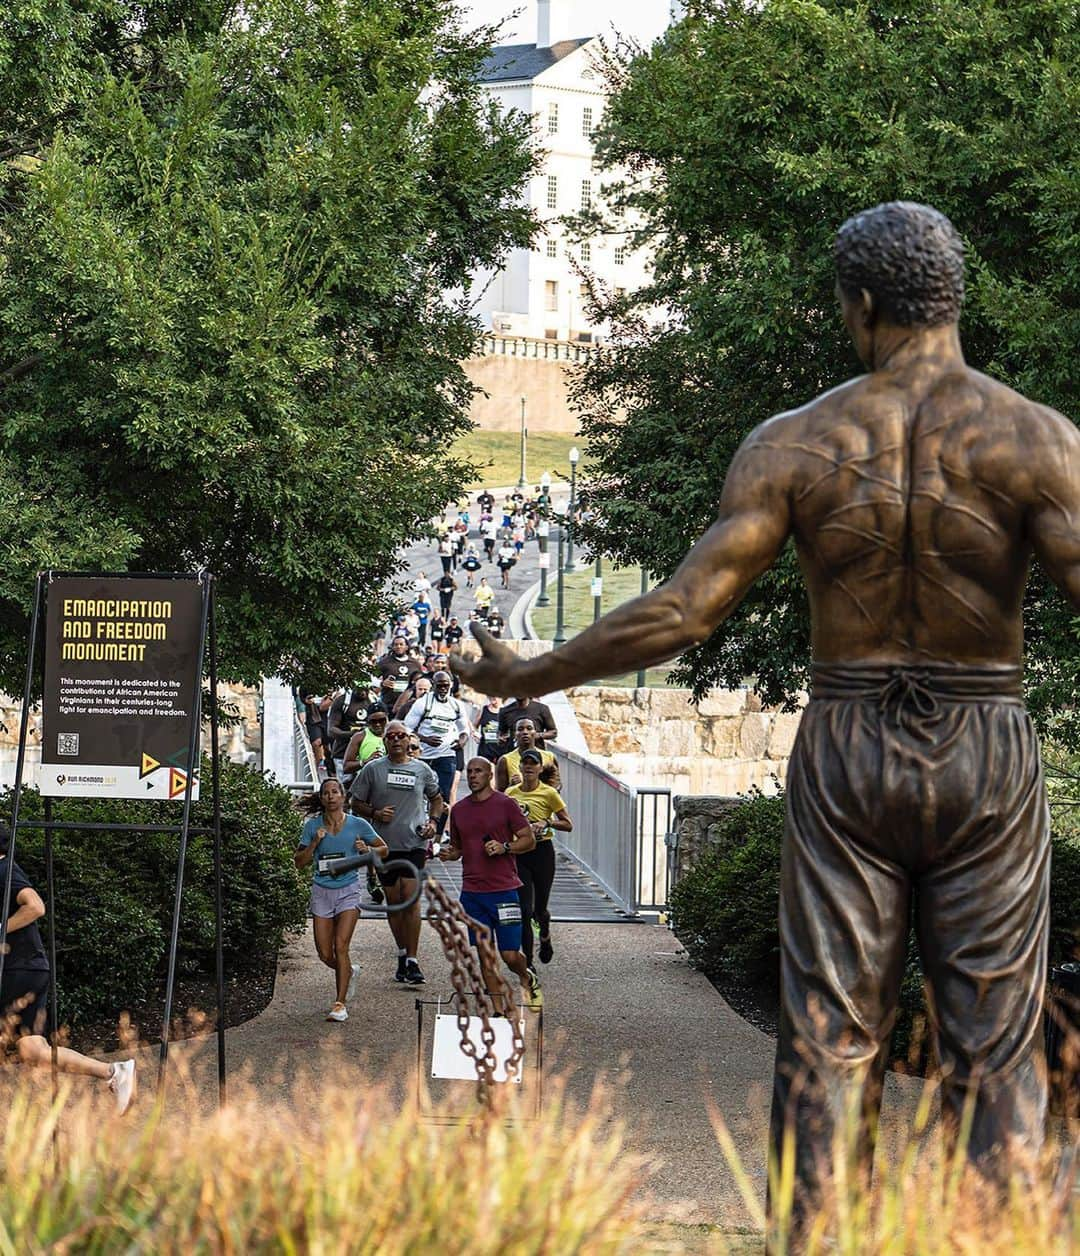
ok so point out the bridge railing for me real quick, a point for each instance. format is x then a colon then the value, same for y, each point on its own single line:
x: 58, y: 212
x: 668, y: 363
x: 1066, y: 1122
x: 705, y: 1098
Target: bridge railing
x: 620, y: 833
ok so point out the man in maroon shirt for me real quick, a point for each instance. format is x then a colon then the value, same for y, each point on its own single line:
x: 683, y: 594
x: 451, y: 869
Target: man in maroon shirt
x: 487, y: 830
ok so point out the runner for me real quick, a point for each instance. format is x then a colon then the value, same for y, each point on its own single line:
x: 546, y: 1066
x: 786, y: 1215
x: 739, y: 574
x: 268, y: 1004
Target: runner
x: 437, y: 632
x: 446, y: 587
x: 489, y: 530
x: 439, y: 723
x: 421, y: 608
x: 486, y: 831
x: 495, y: 622
x: 25, y: 991
x: 485, y: 595
x: 486, y: 729
x: 545, y: 810
x: 526, y: 709
x: 508, y: 768
x: 346, y: 715
x: 368, y: 743
x: 454, y: 633
x: 507, y: 559
x: 471, y: 564
x: 399, y: 666
x: 446, y: 554
x: 401, y: 798
x: 335, y: 899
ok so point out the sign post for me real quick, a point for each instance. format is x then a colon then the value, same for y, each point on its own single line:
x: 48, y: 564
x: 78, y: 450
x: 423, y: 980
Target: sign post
x: 121, y: 718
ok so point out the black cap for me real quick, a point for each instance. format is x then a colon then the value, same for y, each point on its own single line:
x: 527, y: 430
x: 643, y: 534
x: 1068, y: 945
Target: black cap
x: 532, y: 756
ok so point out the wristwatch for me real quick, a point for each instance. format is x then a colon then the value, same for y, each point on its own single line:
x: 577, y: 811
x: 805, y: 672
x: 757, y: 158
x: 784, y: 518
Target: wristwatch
x: 506, y: 848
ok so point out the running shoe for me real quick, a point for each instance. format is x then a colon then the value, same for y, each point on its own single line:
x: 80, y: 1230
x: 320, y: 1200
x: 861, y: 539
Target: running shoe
x: 122, y: 1084
x: 546, y: 949
x: 413, y: 975
x: 401, y: 967
x: 535, y: 998
x: 339, y: 1012
x: 352, y: 982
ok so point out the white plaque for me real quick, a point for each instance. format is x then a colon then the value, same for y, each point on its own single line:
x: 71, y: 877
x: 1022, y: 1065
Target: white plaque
x: 544, y: 560
x: 449, y: 1062
x: 597, y: 586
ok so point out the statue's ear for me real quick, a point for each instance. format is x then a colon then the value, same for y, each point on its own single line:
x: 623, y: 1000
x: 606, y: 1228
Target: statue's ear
x: 867, y: 308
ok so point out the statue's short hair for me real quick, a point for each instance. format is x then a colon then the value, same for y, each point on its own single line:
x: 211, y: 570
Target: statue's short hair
x: 909, y: 257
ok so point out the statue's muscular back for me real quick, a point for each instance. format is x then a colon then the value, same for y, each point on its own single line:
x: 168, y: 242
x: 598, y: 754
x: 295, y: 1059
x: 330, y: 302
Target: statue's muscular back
x: 908, y: 493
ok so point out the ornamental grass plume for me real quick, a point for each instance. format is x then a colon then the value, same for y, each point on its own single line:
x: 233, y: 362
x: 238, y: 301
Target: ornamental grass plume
x: 925, y: 1198
x: 331, y: 1168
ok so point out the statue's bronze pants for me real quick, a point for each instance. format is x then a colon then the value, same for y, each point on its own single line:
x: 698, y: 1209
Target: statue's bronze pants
x: 910, y: 780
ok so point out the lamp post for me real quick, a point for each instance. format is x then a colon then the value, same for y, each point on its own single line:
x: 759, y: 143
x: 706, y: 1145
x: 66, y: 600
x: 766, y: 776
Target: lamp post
x: 543, y: 528
x: 521, y: 476
x: 560, y: 632
x: 574, y: 456
x: 644, y: 590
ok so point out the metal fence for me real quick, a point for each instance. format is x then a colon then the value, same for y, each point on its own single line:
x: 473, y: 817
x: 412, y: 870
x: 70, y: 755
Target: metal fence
x: 620, y: 833
x: 652, y: 858
x: 605, y: 817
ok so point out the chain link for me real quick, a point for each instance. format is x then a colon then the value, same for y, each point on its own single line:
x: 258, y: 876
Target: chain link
x: 449, y: 920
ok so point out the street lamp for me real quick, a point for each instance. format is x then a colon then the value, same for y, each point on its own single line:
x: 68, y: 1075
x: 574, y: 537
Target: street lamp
x: 521, y: 477
x: 543, y: 528
x: 574, y: 456
x: 560, y: 632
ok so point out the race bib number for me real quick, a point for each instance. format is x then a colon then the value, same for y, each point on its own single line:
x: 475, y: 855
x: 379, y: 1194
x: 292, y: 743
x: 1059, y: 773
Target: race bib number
x: 509, y: 913
x: 399, y: 686
x: 401, y: 780
x: 439, y: 728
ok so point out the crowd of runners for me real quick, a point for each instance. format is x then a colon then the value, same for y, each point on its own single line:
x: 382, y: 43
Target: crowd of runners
x: 390, y: 754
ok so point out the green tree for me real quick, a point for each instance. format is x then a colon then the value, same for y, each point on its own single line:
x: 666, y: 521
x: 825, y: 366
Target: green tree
x: 225, y: 235
x: 747, y: 135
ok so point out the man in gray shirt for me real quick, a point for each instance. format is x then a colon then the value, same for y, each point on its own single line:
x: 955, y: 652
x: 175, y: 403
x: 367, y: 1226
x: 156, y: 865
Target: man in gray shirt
x: 401, y: 798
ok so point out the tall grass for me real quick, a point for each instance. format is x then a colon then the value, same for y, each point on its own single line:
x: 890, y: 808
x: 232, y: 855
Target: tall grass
x: 925, y: 1200
x: 330, y: 1171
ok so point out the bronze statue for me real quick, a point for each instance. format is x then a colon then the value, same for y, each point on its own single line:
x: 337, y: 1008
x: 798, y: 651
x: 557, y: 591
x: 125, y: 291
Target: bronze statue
x: 916, y: 495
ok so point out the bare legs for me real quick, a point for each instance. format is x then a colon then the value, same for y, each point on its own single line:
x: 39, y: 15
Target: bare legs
x: 333, y: 935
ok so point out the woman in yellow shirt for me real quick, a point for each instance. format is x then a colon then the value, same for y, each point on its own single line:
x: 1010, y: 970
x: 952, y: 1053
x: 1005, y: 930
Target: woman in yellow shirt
x: 545, y: 810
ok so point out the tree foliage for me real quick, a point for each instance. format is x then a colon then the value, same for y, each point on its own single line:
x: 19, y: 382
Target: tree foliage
x: 749, y: 133
x: 225, y: 232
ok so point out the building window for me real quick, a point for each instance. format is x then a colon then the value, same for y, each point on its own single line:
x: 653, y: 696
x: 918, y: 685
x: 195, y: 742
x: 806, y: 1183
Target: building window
x: 551, y: 295
x: 552, y: 248
x: 586, y: 123
x: 586, y: 194
x: 620, y: 255
x: 586, y: 252
x: 553, y: 118
x: 552, y: 191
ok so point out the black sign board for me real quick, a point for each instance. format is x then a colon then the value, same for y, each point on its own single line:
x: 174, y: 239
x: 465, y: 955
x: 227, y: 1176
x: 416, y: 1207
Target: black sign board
x: 122, y: 669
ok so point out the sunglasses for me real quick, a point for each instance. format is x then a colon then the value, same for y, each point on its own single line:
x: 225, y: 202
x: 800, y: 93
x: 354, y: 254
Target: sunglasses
x: 395, y: 736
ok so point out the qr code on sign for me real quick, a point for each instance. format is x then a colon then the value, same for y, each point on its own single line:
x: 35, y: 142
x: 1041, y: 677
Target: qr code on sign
x: 67, y: 743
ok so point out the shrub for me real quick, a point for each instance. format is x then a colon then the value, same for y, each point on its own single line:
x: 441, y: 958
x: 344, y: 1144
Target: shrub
x: 725, y: 910
x: 114, y: 890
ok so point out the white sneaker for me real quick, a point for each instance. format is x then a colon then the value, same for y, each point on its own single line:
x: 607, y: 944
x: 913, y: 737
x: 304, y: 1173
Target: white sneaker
x: 352, y: 981
x: 339, y: 1012
x: 122, y: 1084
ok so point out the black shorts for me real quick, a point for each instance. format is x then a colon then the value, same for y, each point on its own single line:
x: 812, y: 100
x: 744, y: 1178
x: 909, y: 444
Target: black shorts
x: 24, y: 997
x: 417, y: 857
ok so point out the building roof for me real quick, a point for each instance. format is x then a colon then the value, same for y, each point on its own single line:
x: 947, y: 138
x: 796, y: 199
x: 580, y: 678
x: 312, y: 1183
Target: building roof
x: 512, y: 62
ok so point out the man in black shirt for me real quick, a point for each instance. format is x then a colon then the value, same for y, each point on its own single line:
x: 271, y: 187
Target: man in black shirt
x: 495, y: 622
x: 454, y: 633
x: 446, y: 587
x: 24, y: 992
x: 347, y: 714
x: 526, y: 709
x: 486, y: 502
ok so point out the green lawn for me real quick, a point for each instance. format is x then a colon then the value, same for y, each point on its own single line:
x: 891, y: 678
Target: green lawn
x: 619, y: 586
x: 498, y: 456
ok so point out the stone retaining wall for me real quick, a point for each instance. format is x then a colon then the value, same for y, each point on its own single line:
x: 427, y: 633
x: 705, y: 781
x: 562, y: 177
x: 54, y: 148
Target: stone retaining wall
x: 697, y: 825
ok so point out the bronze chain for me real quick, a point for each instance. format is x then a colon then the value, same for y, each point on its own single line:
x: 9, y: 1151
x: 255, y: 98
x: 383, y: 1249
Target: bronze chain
x: 449, y: 920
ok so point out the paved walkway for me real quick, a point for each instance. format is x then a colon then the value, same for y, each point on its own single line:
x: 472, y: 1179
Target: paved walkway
x: 623, y: 1007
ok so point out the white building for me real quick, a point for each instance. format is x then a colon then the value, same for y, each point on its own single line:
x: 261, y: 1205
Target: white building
x: 538, y: 293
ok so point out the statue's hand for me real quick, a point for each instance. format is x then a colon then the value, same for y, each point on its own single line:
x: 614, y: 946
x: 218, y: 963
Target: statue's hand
x: 497, y: 671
